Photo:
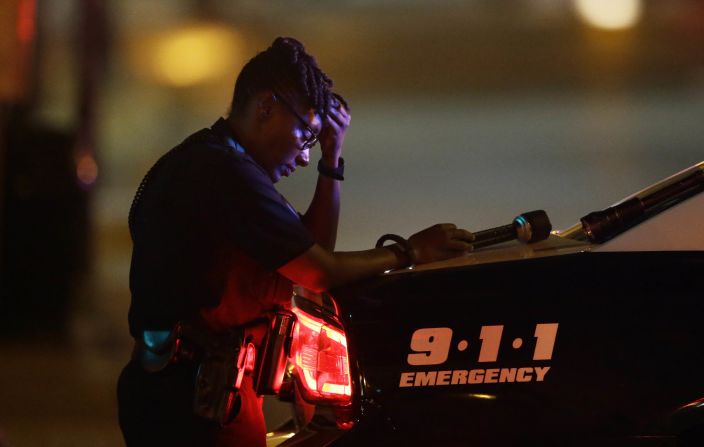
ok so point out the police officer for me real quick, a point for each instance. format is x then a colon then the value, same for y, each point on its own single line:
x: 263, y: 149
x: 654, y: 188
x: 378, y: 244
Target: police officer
x: 217, y: 247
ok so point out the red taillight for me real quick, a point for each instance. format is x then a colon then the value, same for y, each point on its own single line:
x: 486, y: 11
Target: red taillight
x: 319, y: 353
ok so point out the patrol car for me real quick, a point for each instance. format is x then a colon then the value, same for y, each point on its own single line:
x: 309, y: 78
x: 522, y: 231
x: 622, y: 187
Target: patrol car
x: 593, y: 336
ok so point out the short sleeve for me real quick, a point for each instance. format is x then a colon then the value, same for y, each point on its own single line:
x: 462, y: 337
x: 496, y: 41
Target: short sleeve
x: 259, y: 219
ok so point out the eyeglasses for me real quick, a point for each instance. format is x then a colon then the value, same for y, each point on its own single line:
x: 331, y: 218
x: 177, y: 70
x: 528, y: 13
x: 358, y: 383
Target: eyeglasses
x: 310, y: 138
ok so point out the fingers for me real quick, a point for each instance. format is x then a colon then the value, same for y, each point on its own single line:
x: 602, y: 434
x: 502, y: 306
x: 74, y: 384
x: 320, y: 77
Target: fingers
x: 333, y: 134
x: 336, y: 122
x: 456, y: 239
x: 334, y: 125
x: 441, y: 241
x: 338, y: 100
x: 459, y: 239
x: 457, y: 245
x: 463, y: 235
x: 454, y: 232
x: 446, y: 226
x: 340, y: 116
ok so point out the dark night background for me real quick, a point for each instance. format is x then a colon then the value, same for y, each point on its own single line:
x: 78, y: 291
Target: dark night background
x: 463, y: 111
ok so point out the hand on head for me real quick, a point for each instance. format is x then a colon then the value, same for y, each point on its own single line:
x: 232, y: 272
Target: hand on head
x: 332, y: 136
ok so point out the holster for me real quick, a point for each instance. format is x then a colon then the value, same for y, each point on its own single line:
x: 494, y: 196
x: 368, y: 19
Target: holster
x: 272, y: 356
x: 222, y: 359
x: 219, y: 377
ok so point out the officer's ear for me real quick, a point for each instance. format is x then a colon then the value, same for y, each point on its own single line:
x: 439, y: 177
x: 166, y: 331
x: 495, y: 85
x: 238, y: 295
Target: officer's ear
x: 265, y: 102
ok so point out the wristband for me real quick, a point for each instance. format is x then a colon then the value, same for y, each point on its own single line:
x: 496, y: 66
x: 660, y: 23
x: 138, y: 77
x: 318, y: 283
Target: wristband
x: 336, y: 173
x: 405, y: 246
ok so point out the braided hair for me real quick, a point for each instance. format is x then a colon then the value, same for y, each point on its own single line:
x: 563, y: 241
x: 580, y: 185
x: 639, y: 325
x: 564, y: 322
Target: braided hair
x: 285, y: 66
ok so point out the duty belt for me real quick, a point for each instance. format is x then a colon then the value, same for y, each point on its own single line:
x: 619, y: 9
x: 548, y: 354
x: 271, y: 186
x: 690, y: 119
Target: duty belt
x: 222, y: 360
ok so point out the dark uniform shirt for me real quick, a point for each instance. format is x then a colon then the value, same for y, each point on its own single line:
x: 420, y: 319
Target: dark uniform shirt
x: 209, y: 231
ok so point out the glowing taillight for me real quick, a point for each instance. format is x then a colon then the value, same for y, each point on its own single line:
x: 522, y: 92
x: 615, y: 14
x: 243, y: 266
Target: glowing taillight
x: 319, y: 353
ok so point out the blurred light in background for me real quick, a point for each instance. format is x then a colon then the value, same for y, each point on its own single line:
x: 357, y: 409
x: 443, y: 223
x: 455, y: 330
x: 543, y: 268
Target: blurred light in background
x: 609, y: 14
x: 16, y: 47
x: 189, y: 55
x: 87, y: 170
x: 25, y: 20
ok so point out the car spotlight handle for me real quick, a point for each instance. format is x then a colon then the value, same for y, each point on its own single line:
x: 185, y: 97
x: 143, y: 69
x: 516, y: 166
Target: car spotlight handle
x: 494, y: 236
x: 529, y: 227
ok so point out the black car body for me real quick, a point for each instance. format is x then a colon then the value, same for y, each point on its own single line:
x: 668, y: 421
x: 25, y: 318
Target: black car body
x: 561, y: 342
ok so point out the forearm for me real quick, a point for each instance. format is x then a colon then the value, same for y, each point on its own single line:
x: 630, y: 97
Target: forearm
x: 323, y: 214
x: 358, y: 265
x: 320, y: 270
